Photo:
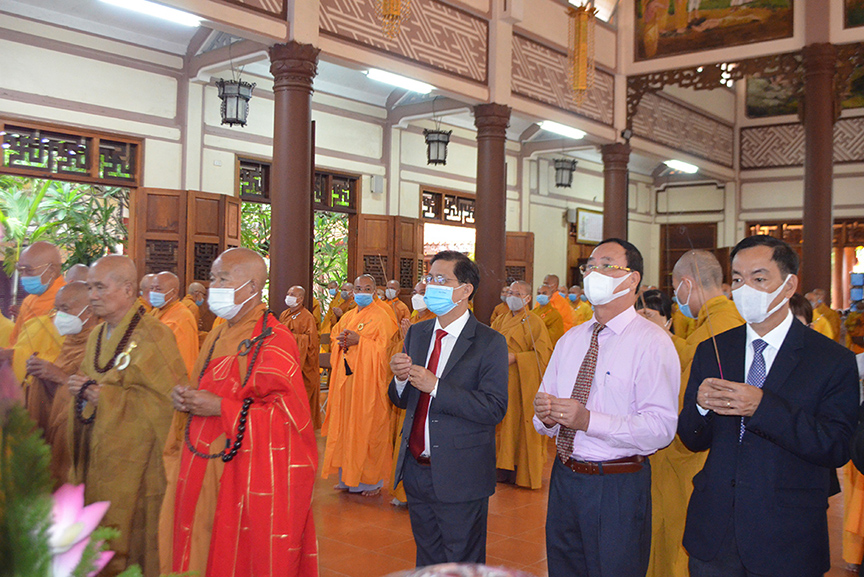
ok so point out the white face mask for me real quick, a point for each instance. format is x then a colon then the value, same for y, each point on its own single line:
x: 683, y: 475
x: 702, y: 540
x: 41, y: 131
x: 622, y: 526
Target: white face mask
x: 221, y: 301
x: 418, y: 303
x: 752, y: 304
x: 600, y: 288
x: 390, y: 294
x: 291, y: 301
x: 515, y: 303
x: 67, y: 324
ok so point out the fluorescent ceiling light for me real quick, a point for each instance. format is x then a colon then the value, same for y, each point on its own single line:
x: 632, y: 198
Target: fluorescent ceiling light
x: 400, y: 81
x: 158, y: 10
x: 682, y: 166
x: 563, y: 130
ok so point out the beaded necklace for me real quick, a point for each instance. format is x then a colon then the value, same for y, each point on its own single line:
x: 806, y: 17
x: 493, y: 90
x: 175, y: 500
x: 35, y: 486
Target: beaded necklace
x: 243, y: 349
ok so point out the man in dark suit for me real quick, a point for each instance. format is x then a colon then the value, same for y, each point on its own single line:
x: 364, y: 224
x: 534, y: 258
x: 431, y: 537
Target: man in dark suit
x: 452, y: 381
x: 776, y: 405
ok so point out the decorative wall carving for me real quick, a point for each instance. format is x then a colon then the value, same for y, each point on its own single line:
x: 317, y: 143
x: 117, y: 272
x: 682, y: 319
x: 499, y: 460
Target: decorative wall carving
x: 666, y: 122
x: 407, y: 270
x: 782, y: 145
x: 205, y: 254
x: 272, y: 7
x: 161, y: 255
x: 376, y: 265
x: 436, y: 35
x: 539, y: 73
x: 515, y: 272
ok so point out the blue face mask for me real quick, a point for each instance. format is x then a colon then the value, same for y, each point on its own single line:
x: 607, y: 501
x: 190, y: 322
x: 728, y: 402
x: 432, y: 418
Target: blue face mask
x: 542, y: 300
x: 573, y: 298
x: 199, y: 302
x: 332, y: 292
x: 583, y: 297
x: 684, y: 307
x: 33, y: 284
x: 362, y: 299
x: 157, y: 300
x: 439, y: 299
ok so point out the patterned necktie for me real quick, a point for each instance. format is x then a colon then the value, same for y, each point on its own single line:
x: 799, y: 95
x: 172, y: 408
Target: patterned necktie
x: 757, y: 373
x: 417, y: 438
x: 580, y: 392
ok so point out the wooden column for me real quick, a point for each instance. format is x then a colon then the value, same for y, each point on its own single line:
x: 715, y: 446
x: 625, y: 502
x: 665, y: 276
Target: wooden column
x: 490, y: 210
x: 293, y: 66
x: 819, y: 110
x: 615, y: 183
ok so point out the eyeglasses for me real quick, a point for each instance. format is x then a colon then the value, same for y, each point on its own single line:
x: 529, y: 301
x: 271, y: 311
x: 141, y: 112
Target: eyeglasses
x: 602, y: 268
x: 27, y: 270
x: 438, y: 279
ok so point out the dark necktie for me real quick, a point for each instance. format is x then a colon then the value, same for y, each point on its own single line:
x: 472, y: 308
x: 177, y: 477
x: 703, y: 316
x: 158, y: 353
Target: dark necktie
x: 417, y: 440
x: 757, y: 373
x: 580, y: 392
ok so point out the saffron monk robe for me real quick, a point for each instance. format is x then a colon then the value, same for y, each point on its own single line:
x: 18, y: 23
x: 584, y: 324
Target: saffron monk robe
x: 302, y: 325
x: 358, y: 419
x: 163, y: 298
x: 130, y: 366
x: 247, y: 514
x: 549, y: 314
x: 521, y: 452
x: 39, y: 270
x: 501, y: 308
x: 342, y: 302
x: 561, y: 304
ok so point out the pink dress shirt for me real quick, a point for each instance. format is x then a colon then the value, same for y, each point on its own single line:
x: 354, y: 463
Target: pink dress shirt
x: 634, y: 395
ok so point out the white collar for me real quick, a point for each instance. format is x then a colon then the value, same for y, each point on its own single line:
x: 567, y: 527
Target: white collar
x: 454, y: 328
x: 775, y: 336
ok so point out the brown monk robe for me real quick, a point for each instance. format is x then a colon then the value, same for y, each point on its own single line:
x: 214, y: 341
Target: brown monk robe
x: 420, y: 314
x: 73, y: 322
x: 134, y: 361
x: 316, y: 314
x: 501, y: 307
x: 391, y: 297
x: 40, y: 261
x: 521, y: 453
x: 302, y: 325
x: 166, y: 308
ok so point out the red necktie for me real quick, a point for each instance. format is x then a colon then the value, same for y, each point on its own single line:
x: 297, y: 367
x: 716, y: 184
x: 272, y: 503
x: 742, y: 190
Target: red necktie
x: 417, y: 440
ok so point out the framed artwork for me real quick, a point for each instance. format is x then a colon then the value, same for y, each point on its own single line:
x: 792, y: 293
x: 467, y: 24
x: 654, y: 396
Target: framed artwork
x: 668, y: 27
x: 853, y: 13
x: 589, y: 226
x: 767, y: 97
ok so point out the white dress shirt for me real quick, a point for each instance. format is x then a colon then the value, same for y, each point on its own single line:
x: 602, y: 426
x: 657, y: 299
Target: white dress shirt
x: 453, y: 331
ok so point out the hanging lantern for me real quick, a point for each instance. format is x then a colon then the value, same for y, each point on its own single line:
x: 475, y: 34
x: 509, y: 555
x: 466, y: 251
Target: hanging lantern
x: 393, y: 14
x: 580, y: 58
x: 564, y: 168
x: 436, y: 145
x: 235, y: 96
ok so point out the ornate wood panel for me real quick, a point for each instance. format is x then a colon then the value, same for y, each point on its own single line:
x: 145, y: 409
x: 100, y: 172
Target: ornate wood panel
x: 539, y: 73
x: 375, y: 247
x: 435, y: 35
x: 408, y: 252
x: 782, y: 145
x: 519, y: 256
x: 666, y: 122
x: 157, y: 226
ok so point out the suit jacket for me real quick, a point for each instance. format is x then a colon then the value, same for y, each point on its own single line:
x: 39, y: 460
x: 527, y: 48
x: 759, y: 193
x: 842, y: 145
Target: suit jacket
x: 778, y: 476
x: 471, y: 400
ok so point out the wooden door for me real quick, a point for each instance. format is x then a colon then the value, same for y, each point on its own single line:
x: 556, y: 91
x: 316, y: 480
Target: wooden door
x: 520, y: 256
x: 408, y: 254
x: 677, y: 239
x: 157, y: 229
x: 374, y: 248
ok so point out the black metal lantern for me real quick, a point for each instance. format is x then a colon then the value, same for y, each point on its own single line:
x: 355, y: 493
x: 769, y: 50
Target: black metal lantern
x: 235, y: 96
x: 436, y: 145
x: 564, y: 168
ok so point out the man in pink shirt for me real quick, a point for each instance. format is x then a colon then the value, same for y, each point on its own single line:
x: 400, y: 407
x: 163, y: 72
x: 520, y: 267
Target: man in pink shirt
x: 610, y: 397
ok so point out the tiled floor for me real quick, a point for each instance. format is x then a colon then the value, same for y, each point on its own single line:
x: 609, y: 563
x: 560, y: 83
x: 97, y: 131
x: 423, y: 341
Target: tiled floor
x: 367, y: 537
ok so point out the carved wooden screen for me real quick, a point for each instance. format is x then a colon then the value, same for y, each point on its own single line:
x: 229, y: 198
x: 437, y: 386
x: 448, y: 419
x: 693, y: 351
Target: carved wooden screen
x: 408, y: 254
x: 520, y: 256
x: 374, y: 248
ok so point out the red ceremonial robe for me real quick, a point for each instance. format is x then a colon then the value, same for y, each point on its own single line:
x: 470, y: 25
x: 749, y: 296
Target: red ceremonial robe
x: 263, y: 524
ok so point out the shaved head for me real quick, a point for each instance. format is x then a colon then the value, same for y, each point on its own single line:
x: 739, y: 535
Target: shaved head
x: 246, y: 264
x: 168, y: 284
x: 347, y: 286
x: 40, y: 259
x: 77, y: 272
x: 520, y: 288
x: 72, y: 298
x: 365, y: 283
x: 393, y: 284
x: 147, y: 282
x: 244, y: 271
x: 575, y: 290
x: 420, y: 288
x: 196, y: 288
x: 702, y: 266
x: 112, y: 282
x: 297, y: 291
x: 552, y: 281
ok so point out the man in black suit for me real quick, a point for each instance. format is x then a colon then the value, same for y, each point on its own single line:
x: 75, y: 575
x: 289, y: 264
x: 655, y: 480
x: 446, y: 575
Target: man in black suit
x: 776, y: 405
x: 452, y: 381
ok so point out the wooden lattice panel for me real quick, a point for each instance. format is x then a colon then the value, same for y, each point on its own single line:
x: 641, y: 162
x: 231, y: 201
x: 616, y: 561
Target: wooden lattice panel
x: 160, y: 255
x: 406, y: 272
x: 516, y: 272
x: 376, y: 265
x: 205, y: 254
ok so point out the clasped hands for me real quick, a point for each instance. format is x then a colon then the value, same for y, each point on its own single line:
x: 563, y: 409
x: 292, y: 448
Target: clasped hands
x: 91, y: 394
x: 348, y: 339
x: 45, y: 370
x: 567, y: 412
x: 728, y: 397
x: 404, y: 369
x: 196, y: 401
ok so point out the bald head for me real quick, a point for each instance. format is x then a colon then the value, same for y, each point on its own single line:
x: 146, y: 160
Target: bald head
x: 41, y: 259
x: 520, y: 288
x: 700, y: 266
x: 246, y: 265
x: 113, y: 282
x: 365, y: 283
x: 77, y: 272
x: 72, y: 298
x: 297, y: 291
x: 552, y: 281
x: 195, y: 289
x: 167, y: 284
x: 420, y: 288
x: 147, y: 282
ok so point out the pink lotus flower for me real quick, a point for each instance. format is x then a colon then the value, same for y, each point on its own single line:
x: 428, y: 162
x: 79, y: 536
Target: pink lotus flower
x: 70, y: 531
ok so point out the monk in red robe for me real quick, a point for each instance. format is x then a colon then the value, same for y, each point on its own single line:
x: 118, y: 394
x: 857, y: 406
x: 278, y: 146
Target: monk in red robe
x: 250, y: 406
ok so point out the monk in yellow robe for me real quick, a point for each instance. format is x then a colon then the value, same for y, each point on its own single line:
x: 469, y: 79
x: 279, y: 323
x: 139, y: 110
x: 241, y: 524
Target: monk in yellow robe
x: 341, y: 304
x: 854, y: 324
x: 39, y: 270
x: 163, y: 298
x: 520, y: 450
x: 550, y: 289
x: 549, y: 315
x: 817, y: 298
x: 73, y: 322
x: 250, y: 514
x: 129, y: 368
x: 316, y: 313
x: 391, y: 297
x: 582, y: 311
x: 196, y: 295
x: 853, y: 480
x: 302, y: 325
x: 682, y: 325
x: 697, y: 277
x: 38, y: 339
x: 501, y: 308
x: 358, y: 419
